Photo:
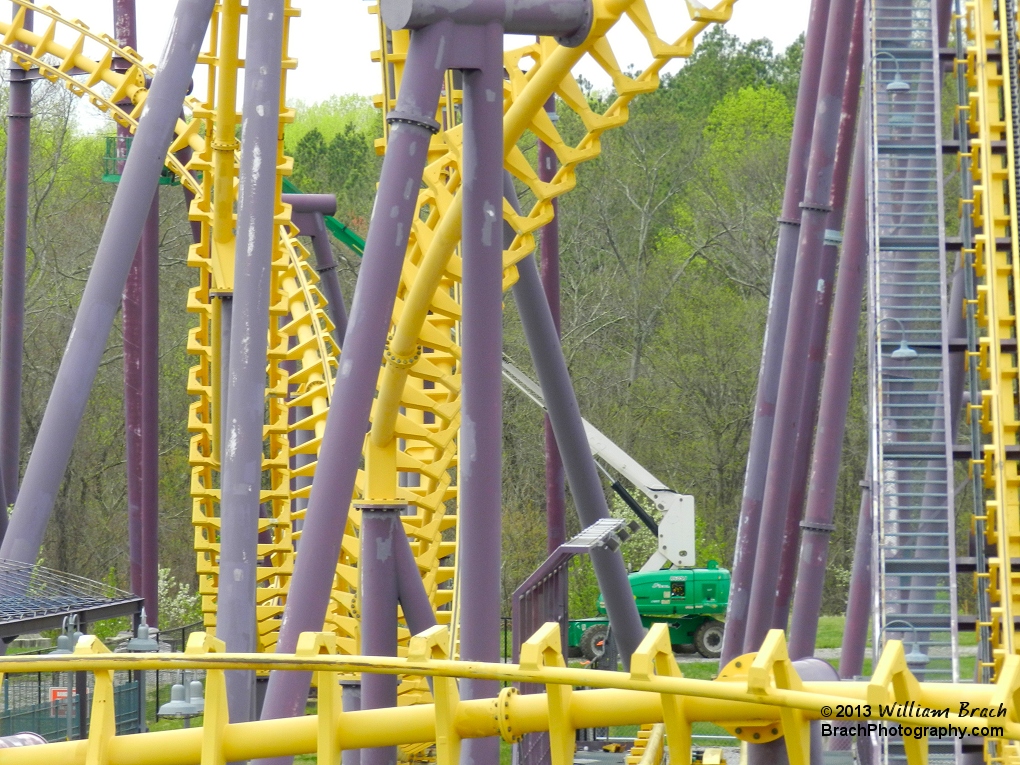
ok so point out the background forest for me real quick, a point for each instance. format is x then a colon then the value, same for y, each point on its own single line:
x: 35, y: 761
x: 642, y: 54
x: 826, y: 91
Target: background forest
x: 667, y: 252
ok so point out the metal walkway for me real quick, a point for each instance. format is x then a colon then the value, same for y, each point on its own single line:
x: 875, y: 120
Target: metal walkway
x: 914, y: 585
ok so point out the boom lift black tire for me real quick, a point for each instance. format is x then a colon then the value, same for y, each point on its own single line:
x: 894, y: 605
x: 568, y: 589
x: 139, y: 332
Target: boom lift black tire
x: 709, y: 639
x: 593, y: 640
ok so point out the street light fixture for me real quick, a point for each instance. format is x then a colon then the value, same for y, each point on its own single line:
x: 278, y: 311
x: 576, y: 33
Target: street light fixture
x: 178, y: 706
x: 916, y: 658
x: 142, y: 642
x: 904, y: 351
x: 898, y: 84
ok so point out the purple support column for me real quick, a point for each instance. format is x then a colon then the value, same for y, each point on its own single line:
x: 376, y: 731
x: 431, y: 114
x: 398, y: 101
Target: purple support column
x: 12, y: 329
x: 309, y: 214
x: 377, y: 593
x: 125, y: 28
x: 241, y: 469
x: 412, y: 127
x: 555, y: 498
x: 309, y: 210
x: 414, y: 601
x: 325, y: 266
x: 858, y: 605
x: 839, y: 364
x: 582, y: 477
x: 481, y: 432
x: 816, y: 207
x: 812, y: 375
x: 131, y: 323
x: 101, y: 298
x: 150, y: 412
x: 775, y: 332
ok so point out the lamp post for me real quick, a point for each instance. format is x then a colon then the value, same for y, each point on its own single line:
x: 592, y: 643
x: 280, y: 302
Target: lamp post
x: 65, y: 646
x: 916, y: 658
x: 904, y: 351
x: 142, y: 643
x: 895, y: 86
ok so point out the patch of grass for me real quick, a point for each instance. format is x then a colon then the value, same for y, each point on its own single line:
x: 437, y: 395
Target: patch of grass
x: 830, y: 631
x: 700, y: 670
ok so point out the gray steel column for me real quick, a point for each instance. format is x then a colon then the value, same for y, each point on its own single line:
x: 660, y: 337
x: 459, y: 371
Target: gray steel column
x: 565, y: 416
x: 309, y: 212
x: 325, y: 267
x: 377, y: 593
x: 582, y: 477
x: 775, y: 332
x: 817, y: 193
x: 257, y: 234
x: 150, y: 412
x: 101, y: 298
x: 412, y: 126
x: 812, y: 373
x: 839, y: 364
x: 555, y: 480
x: 12, y: 330
x: 479, y: 519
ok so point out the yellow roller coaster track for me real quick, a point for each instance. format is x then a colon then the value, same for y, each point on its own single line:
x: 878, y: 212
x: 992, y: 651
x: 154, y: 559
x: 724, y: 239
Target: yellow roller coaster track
x: 996, y: 258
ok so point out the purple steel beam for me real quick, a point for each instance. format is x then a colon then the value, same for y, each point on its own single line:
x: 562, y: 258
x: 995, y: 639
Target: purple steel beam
x: 12, y: 331
x: 839, y: 364
x: 775, y: 332
x: 412, y: 126
x: 481, y: 433
x: 555, y: 496
x: 241, y: 468
x: 150, y: 412
x: 380, y: 528
x: 812, y: 375
x: 101, y: 298
x: 816, y: 207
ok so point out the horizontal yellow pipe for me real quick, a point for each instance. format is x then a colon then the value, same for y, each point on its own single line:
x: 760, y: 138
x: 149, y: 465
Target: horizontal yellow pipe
x: 416, y: 724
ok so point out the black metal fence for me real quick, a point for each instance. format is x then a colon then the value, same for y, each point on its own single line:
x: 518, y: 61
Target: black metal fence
x: 38, y: 702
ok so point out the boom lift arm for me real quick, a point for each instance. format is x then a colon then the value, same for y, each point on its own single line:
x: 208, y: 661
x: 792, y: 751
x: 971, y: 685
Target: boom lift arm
x: 675, y: 532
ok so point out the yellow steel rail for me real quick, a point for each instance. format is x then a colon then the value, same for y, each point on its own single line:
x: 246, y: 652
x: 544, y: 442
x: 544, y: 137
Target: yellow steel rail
x: 758, y: 697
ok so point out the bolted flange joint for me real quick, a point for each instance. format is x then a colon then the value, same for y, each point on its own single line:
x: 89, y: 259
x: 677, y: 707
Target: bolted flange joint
x: 569, y: 21
x: 401, y: 362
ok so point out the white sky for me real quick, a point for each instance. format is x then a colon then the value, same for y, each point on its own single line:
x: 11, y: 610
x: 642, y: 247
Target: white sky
x: 332, y: 39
